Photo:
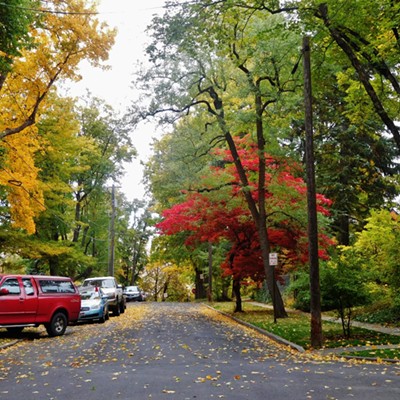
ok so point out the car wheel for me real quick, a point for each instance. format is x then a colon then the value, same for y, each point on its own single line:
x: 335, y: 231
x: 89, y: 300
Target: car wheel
x: 57, y: 325
x: 103, y: 318
x: 107, y: 316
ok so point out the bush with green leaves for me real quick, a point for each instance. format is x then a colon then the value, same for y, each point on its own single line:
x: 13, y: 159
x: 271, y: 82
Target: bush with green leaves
x: 343, y: 286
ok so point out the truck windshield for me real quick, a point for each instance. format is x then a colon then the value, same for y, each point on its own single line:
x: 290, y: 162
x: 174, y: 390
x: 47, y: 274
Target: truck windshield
x: 104, y: 283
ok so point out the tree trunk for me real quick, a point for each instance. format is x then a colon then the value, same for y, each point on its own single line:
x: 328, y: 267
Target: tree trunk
x: 344, y: 230
x: 200, y: 290
x: 77, y: 228
x: 236, y: 292
x: 225, y: 289
x: 165, y: 290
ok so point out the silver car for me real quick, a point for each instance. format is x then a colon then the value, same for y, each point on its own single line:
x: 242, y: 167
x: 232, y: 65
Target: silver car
x: 133, y: 293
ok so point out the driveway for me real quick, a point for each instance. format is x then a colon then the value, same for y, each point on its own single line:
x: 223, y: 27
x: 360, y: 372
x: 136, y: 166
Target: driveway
x: 179, y: 351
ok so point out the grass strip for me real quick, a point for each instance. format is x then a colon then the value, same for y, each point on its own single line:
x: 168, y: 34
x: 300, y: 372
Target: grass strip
x: 296, y: 328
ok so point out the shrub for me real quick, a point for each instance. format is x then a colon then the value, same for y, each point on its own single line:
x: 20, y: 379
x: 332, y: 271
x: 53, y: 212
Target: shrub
x: 343, y: 287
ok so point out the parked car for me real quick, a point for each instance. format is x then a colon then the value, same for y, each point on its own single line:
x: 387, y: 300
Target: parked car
x: 94, y: 304
x: 116, y: 299
x: 133, y: 293
x: 29, y: 300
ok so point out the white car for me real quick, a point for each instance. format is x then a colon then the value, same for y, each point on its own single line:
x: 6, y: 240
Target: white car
x: 109, y: 286
x: 94, y: 305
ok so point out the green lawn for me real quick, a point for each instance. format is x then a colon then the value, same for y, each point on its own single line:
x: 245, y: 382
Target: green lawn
x: 296, y: 328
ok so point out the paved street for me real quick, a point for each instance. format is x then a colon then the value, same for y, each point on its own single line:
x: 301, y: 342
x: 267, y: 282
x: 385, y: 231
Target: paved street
x: 178, y: 352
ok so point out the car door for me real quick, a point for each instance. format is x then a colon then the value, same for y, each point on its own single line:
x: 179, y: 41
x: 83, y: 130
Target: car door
x: 30, y: 300
x: 15, y: 307
x: 11, y: 303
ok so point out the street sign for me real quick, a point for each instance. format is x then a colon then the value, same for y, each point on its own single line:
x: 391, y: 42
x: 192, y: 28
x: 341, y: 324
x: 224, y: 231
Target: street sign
x: 273, y: 258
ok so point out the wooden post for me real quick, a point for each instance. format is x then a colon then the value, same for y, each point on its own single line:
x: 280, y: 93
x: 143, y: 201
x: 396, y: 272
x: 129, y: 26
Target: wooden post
x: 111, y: 251
x: 315, y: 292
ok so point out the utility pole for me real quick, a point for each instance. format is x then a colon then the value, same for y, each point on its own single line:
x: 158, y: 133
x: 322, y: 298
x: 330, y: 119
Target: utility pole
x: 210, y: 264
x: 315, y: 292
x: 111, y: 251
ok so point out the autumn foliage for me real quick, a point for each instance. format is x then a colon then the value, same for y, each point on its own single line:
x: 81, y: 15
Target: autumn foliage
x: 217, y: 211
x: 61, y: 35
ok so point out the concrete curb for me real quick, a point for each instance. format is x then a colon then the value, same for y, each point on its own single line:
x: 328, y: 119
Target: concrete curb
x: 9, y: 344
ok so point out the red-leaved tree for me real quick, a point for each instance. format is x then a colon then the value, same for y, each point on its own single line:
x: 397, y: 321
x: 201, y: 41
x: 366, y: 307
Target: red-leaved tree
x: 217, y: 210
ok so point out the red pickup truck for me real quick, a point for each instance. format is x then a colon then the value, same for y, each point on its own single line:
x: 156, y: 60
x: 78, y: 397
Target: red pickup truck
x: 32, y: 300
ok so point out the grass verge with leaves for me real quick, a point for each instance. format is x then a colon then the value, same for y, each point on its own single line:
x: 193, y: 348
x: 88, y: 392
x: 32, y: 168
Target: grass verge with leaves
x: 296, y: 329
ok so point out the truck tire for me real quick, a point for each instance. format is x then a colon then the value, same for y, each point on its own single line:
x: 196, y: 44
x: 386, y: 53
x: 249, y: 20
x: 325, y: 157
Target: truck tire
x: 122, y: 307
x: 116, y: 310
x: 57, y: 325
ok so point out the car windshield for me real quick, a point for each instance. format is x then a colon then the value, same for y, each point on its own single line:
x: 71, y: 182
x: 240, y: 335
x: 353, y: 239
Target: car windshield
x: 90, y: 293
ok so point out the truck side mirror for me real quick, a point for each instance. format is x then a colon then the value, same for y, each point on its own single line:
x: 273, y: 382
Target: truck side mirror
x: 4, y: 291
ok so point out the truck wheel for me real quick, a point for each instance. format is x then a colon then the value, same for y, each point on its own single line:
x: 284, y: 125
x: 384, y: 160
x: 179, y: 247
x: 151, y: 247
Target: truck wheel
x: 57, y: 325
x: 116, y: 310
x: 122, y: 307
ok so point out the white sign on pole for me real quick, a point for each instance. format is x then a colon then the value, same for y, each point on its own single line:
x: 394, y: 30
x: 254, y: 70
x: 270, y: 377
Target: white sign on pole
x: 273, y: 258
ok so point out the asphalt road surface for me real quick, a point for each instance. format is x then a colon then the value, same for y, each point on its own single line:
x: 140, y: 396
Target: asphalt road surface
x: 178, y: 352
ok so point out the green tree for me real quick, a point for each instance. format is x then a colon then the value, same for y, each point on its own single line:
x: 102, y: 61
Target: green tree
x: 236, y: 85
x: 134, y: 233
x: 377, y: 244
x: 65, y: 34
x: 344, y: 286
x: 16, y: 17
x: 370, y: 41
x: 103, y: 160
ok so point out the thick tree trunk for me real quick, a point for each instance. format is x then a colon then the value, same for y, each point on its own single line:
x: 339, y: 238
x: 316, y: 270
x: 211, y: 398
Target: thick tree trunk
x: 200, y: 289
x: 238, y: 297
x: 273, y: 289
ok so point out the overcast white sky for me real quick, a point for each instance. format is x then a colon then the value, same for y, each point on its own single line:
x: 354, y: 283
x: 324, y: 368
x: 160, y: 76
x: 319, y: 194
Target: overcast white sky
x: 130, y: 17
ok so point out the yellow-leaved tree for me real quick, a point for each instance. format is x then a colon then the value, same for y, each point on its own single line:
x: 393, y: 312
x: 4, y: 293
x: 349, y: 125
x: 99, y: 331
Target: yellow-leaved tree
x: 64, y: 33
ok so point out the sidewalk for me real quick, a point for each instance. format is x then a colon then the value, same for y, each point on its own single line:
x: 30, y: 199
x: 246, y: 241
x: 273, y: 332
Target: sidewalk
x: 371, y: 327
